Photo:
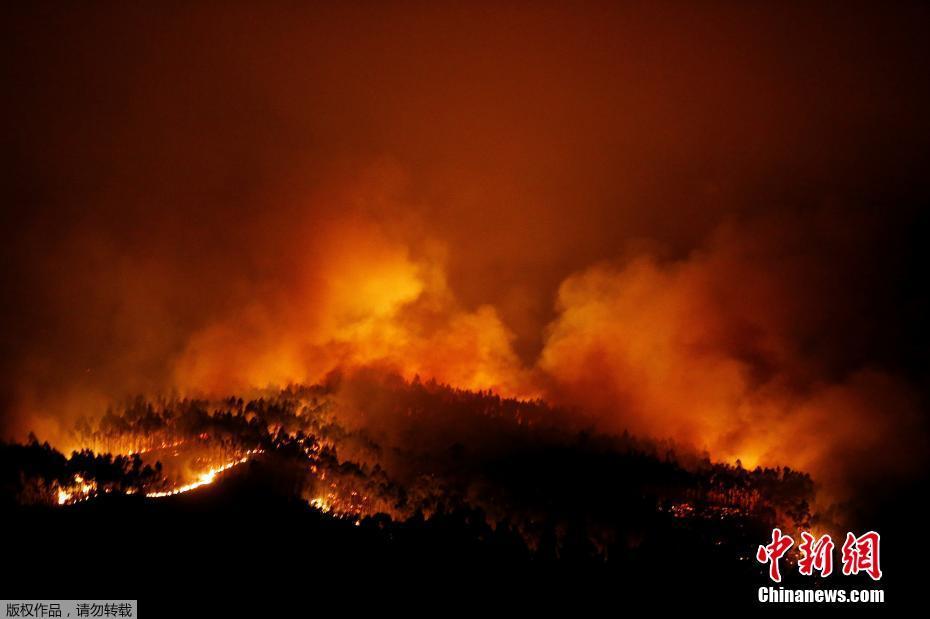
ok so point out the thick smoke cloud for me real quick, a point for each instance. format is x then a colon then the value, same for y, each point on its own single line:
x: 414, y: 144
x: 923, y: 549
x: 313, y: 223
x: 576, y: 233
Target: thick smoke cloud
x: 702, y: 223
x: 757, y: 346
x: 360, y: 300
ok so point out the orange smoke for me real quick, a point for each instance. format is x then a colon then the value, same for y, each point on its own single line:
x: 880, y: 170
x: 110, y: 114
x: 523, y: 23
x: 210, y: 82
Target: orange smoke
x: 709, y: 351
x: 713, y: 351
x: 360, y: 299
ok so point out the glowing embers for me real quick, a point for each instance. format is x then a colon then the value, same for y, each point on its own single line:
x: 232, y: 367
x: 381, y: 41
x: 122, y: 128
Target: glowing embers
x: 163, y: 446
x: 342, y: 504
x: 327, y: 505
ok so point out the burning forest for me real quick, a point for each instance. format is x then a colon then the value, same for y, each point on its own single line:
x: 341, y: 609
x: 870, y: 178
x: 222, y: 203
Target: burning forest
x: 621, y: 298
x: 535, y: 477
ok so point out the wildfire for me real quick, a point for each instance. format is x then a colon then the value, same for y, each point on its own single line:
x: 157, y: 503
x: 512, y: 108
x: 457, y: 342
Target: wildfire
x: 205, y: 478
x: 164, y: 445
x: 342, y: 503
x: 321, y: 503
x: 79, y: 490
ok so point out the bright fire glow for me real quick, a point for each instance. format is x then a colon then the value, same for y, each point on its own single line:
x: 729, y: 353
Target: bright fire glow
x: 79, y: 490
x: 205, y: 478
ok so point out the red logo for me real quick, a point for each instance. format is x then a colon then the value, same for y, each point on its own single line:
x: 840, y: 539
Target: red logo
x: 859, y: 554
x: 773, y: 552
x: 817, y: 555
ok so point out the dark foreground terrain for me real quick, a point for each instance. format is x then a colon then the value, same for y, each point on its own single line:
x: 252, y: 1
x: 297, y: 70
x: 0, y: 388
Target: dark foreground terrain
x: 437, y: 499
x: 241, y: 542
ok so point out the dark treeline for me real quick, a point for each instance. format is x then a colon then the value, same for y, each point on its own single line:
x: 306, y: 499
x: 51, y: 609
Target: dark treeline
x: 36, y: 473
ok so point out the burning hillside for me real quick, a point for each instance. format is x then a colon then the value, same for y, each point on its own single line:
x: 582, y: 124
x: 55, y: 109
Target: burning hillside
x: 435, y: 450
x: 617, y: 283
